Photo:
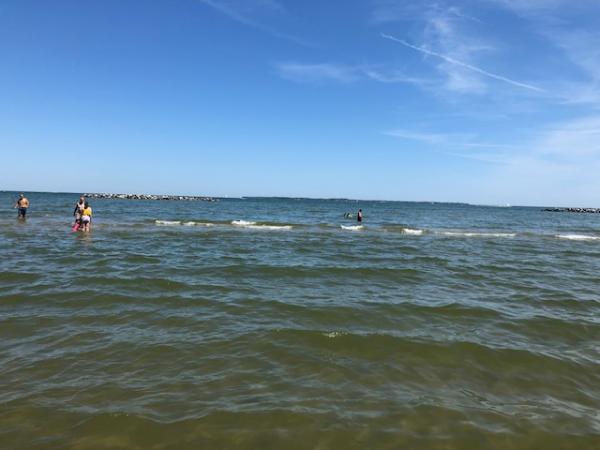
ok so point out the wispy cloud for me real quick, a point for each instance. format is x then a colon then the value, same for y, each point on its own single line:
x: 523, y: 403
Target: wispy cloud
x: 386, y: 11
x: 454, y: 39
x: 575, y: 140
x: 449, y: 142
x: 427, y: 138
x: 241, y: 12
x: 536, y: 6
x: 581, y: 49
x: 455, y: 11
x: 316, y: 73
x: 389, y: 11
x: 395, y: 76
x: 463, y: 64
x: 245, y: 11
x: 553, y: 21
x: 557, y: 165
x: 344, y: 73
x: 573, y: 145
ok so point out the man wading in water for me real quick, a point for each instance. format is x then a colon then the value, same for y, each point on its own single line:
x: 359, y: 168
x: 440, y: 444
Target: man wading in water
x: 359, y: 216
x: 22, y: 204
x: 78, y: 212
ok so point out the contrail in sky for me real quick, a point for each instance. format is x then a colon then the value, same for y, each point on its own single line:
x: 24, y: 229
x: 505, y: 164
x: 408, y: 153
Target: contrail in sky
x: 462, y: 64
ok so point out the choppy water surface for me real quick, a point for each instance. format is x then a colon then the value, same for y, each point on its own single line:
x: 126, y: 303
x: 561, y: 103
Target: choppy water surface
x: 278, y: 324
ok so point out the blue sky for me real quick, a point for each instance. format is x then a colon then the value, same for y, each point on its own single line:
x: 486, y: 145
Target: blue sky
x: 482, y: 101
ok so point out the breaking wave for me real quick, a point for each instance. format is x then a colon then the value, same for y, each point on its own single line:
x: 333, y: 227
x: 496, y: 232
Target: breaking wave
x: 578, y: 237
x: 412, y: 231
x: 352, y: 227
x: 401, y: 229
x: 187, y: 223
x: 242, y: 223
x: 476, y: 234
x: 234, y: 223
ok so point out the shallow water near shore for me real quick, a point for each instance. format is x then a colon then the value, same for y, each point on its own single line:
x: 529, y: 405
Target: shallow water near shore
x: 277, y: 323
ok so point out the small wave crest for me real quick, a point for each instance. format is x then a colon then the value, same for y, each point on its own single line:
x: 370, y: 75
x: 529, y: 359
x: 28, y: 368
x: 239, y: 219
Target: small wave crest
x: 477, y: 234
x: 236, y: 223
x: 334, y: 334
x: 188, y: 223
x: 578, y: 237
x: 269, y: 227
x: 257, y: 226
x: 192, y: 223
x: 401, y: 229
x: 352, y: 227
x: 242, y: 223
x: 412, y: 231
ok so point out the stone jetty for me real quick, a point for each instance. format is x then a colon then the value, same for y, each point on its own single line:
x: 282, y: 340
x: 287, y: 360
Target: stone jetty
x: 152, y: 197
x: 574, y: 210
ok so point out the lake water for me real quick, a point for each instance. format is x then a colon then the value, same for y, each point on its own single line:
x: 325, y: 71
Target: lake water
x: 279, y: 324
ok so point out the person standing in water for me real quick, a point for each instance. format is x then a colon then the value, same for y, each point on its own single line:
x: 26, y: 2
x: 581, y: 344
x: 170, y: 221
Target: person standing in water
x: 78, y: 211
x: 359, y: 216
x: 22, y: 204
x: 86, y: 217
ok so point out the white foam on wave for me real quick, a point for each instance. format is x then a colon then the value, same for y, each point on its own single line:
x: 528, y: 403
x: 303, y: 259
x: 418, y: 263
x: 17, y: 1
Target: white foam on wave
x: 413, y: 232
x: 352, y: 227
x: 254, y: 226
x: 477, y: 234
x: 199, y: 224
x: 334, y: 334
x: 188, y: 223
x: 242, y: 223
x: 236, y: 223
x: 269, y: 227
x: 578, y: 237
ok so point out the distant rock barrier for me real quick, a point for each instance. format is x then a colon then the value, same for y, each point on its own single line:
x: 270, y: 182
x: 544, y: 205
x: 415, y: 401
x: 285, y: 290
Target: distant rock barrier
x: 574, y: 210
x: 152, y: 197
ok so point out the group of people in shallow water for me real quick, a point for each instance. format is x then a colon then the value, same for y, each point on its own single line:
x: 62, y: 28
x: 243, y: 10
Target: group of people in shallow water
x: 82, y: 212
x: 359, y: 216
x: 83, y: 215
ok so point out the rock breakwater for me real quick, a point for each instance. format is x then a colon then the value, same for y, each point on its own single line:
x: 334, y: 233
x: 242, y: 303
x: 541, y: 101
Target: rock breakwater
x: 574, y: 210
x: 151, y: 197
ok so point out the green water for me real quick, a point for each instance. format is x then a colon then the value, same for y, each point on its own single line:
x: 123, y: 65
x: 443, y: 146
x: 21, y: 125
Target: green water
x: 278, y: 324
